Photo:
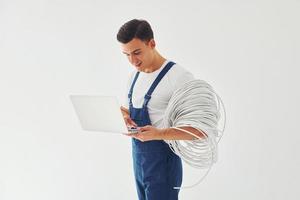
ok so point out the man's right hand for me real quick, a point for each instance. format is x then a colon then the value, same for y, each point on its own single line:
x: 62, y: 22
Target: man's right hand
x: 129, y: 122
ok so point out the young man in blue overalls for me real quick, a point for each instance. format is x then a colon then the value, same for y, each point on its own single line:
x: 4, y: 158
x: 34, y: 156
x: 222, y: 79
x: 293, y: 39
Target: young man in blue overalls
x: 156, y: 168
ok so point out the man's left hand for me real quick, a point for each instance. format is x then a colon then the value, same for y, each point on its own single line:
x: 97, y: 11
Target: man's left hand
x: 147, y: 133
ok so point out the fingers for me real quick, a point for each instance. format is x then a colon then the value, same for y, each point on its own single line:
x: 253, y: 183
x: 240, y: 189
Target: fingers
x: 139, y: 137
x: 132, y: 122
x: 145, y: 128
x: 129, y: 122
x: 136, y: 136
x: 142, y: 135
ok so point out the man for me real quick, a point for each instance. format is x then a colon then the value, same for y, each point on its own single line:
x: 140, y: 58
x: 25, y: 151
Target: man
x: 156, y: 168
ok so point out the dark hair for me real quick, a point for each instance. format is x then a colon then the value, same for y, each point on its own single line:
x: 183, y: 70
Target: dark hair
x: 135, y: 28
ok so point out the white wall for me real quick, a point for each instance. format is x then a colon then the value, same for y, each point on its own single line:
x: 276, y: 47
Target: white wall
x: 248, y: 50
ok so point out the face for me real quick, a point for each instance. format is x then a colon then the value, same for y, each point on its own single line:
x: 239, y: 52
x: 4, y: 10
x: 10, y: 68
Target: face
x: 139, y: 53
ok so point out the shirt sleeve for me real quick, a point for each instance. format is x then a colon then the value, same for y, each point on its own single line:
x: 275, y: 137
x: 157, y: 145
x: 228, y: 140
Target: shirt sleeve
x: 180, y: 76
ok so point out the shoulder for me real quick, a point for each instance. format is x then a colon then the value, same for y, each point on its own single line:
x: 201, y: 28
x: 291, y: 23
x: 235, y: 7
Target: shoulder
x: 178, y: 76
x: 178, y: 70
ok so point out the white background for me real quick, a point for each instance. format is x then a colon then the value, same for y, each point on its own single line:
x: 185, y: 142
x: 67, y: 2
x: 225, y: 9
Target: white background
x: 248, y: 50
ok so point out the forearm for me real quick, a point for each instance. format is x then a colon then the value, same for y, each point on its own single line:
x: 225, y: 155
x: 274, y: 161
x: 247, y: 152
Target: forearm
x: 171, y: 133
x: 174, y: 134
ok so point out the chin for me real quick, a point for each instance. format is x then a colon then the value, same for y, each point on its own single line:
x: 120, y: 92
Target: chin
x: 139, y: 68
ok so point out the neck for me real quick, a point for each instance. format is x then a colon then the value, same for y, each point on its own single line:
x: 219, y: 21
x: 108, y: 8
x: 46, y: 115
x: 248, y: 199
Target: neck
x: 157, y: 62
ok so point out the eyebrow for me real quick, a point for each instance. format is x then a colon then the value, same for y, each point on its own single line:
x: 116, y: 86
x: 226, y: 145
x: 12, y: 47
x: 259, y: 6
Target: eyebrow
x: 132, y: 51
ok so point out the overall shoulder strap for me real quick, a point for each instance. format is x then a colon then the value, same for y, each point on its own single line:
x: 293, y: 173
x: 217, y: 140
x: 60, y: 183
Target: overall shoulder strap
x: 132, y: 86
x: 157, y: 80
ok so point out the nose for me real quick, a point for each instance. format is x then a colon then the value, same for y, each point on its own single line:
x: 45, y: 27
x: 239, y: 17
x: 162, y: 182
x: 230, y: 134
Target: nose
x: 133, y: 60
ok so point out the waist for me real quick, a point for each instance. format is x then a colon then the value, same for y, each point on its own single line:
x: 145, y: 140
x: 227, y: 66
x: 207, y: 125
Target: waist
x: 150, y: 146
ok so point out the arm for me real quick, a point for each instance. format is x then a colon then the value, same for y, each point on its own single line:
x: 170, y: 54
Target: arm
x: 174, y: 134
x: 148, y: 133
x: 152, y: 133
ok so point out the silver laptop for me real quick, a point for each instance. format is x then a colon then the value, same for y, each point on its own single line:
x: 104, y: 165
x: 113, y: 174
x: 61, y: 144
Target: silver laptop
x: 100, y: 113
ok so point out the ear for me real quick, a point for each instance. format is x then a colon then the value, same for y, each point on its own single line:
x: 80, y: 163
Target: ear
x: 151, y: 43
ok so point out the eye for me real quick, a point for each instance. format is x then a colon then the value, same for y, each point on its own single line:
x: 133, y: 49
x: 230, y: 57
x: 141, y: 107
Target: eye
x: 137, y: 53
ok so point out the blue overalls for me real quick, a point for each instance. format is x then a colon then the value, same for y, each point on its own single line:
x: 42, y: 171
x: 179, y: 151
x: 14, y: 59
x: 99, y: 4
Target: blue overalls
x: 156, y: 168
